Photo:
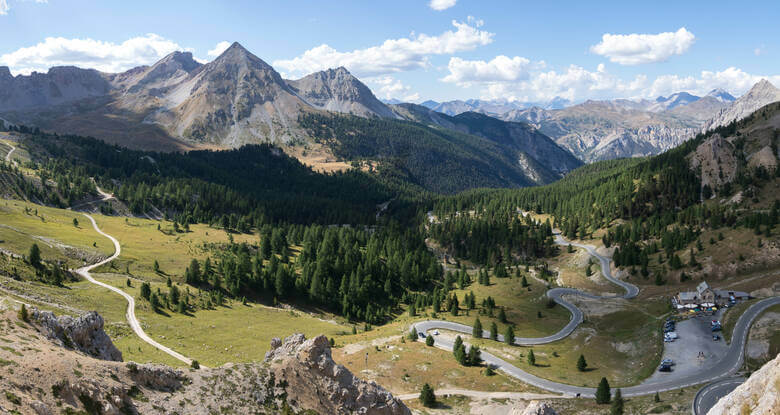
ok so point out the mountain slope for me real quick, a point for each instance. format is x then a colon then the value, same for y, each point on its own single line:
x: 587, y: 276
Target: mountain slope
x: 337, y: 90
x: 436, y: 159
x: 61, y: 84
x: 235, y: 99
x: 600, y: 130
x: 761, y: 94
x: 539, y: 156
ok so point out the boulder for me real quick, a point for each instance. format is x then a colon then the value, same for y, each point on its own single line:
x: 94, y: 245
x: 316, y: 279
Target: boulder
x: 84, y: 333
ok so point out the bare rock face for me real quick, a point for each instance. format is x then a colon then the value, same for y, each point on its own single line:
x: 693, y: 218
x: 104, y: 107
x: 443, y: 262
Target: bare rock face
x: 760, y: 394
x: 760, y: 94
x: 539, y: 408
x: 84, y: 333
x: 316, y: 382
x: 157, y: 377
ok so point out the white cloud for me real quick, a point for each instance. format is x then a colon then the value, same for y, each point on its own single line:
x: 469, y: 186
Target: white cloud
x: 532, y: 83
x: 501, y: 68
x: 761, y: 50
x: 440, y: 5
x: 393, y: 55
x: 387, y: 87
x: 219, y: 48
x: 89, y: 53
x: 635, y: 49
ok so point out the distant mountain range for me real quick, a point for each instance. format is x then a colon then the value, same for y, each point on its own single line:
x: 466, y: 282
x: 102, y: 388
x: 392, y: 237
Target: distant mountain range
x: 491, y: 107
x: 236, y: 99
x: 601, y: 130
x: 181, y: 104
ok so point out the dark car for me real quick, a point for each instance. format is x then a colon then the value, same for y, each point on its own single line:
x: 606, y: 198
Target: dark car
x: 715, y: 338
x: 665, y: 368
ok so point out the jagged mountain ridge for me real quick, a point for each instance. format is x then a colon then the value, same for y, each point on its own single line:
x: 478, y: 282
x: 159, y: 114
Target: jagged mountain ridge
x: 761, y: 94
x: 236, y: 99
x: 600, y: 130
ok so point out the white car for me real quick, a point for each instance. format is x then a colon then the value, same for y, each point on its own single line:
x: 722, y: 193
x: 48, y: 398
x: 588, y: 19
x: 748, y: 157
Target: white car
x: 671, y: 335
x: 436, y: 332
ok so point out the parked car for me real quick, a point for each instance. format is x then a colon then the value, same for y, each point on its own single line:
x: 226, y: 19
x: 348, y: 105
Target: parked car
x: 665, y: 368
x: 716, y: 328
x: 422, y: 335
x: 436, y: 332
x: 671, y: 335
x: 715, y: 338
x: 669, y: 362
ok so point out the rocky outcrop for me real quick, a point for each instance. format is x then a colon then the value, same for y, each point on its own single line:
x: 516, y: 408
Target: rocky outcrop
x: 316, y: 382
x: 539, y: 408
x: 760, y: 394
x: 84, y: 333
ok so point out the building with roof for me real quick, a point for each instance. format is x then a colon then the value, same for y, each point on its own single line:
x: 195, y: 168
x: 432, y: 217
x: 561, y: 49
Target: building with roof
x: 704, y: 294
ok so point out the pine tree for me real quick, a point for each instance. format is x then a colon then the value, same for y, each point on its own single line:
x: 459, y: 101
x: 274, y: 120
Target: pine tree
x: 603, y: 394
x: 617, y: 404
x: 524, y: 282
x: 23, y: 314
x: 34, y: 256
x: 427, y: 396
x: 502, y: 315
x: 412, y: 334
x: 156, y: 266
x: 582, y: 364
x: 493, y: 331
x: 477, y: 330
x: 429, y: 341
x: 475, y: 356
x: 146, y: 291
x: 509, y: 335
x: 656, y: 398
x: 459, y: 351
x: 531, y: 358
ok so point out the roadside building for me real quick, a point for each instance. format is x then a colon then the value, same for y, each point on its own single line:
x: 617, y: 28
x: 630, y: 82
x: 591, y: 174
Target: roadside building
x: 707, y: 297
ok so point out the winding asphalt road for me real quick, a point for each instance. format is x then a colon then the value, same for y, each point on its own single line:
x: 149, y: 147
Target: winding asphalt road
x: 709, y: 395
x: 130, y: 313
x: 726, y: 367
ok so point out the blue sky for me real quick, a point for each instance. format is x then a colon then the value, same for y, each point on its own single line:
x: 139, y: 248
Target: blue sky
x: 417, y: 50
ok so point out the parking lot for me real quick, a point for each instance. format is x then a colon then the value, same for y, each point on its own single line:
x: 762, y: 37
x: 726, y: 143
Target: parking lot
x: 695, y: 337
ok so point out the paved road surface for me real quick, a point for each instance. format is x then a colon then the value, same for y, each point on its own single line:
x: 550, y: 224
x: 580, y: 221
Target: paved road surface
x: 130, y: 314
x: 725, y: 367
x: 709, y: 395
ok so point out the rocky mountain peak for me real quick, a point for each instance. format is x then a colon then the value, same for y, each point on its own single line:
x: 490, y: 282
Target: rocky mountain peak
x: 761, y: 94
x: 336, y: 89
x: 183, y: 60
x: 721, y: 95
x: 5, y: 73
